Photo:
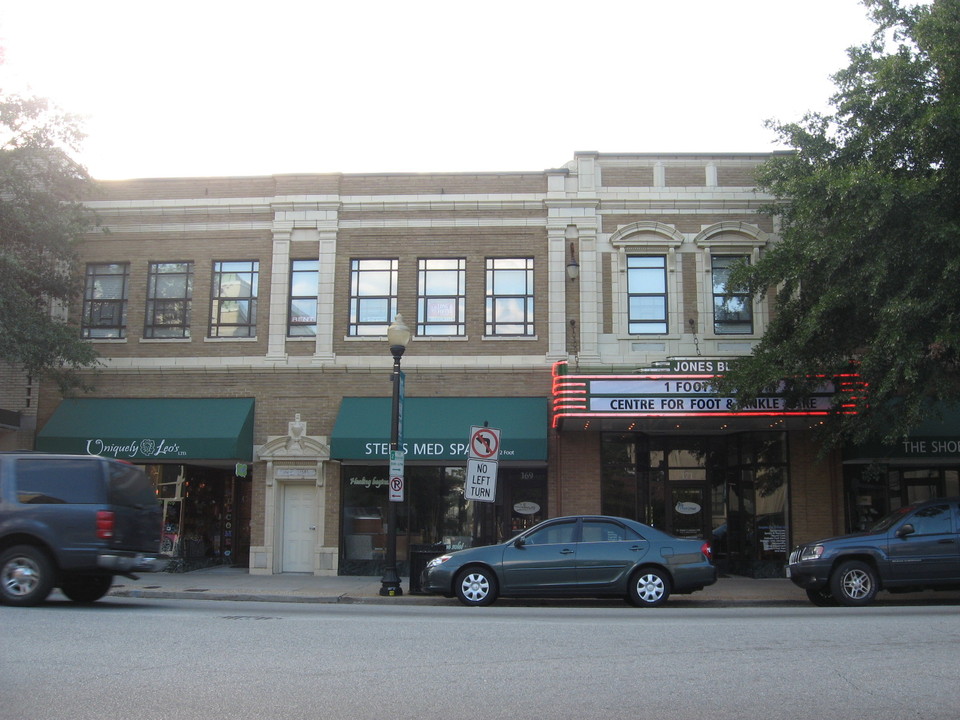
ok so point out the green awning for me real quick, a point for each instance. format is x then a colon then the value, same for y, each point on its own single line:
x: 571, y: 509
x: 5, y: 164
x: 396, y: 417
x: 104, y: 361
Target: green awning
x: 937, y: 437
x: 439, y: 428
x: 152, y: 429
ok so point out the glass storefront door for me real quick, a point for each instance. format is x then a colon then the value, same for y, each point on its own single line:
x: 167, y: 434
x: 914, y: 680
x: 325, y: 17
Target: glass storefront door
x: 689, y: 515
x: 729, y: 489
x: 522, y: 500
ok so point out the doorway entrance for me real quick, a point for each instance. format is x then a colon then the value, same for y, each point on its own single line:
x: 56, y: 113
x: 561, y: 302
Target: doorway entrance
x: 299, y: 528
x: 728, y: 489
x: 689, y: 510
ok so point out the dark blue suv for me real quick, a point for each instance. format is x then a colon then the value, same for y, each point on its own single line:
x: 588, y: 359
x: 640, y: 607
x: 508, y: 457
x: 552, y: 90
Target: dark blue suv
x: 916, y: 547
x: 73, y: 522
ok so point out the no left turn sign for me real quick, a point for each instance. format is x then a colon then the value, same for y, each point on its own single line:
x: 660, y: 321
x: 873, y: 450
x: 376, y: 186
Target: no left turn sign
x: 484, y: 443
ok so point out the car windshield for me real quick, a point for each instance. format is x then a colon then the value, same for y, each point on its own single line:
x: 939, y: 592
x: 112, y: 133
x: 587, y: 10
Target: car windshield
x: 885, y: 523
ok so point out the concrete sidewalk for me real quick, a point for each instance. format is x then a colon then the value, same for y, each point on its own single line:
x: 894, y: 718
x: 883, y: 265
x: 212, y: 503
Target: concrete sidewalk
x: 225, y: 583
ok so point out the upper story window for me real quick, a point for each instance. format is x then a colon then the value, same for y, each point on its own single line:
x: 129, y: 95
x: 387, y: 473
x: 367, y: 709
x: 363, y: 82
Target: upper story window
x: 733, y: 314
x: 233, y: 305
x: 169, y: 296
x: 441, y: 297
x: 647, y: 294
x: 373, y: 296
x: 723, y: 246
x: 105, y: 300
x: 509, y: 296
x: 304, y: 288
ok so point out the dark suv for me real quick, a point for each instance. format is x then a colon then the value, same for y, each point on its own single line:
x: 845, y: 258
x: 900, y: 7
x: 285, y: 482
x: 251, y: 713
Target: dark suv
x: 73, y: 522
x: 916, y: 547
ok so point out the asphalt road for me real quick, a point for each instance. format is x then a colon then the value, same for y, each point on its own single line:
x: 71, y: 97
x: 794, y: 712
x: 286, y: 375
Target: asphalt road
x: 143, y: 659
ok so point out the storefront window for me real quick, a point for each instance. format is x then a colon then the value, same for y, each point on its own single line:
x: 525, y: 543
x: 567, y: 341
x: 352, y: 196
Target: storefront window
x: 434, y: 511
x: 206, y: 515
x: 771, y: 504
x: 730, y: 490
x: 524, y: 500
x: 620, y: 476
x: 874, y: 490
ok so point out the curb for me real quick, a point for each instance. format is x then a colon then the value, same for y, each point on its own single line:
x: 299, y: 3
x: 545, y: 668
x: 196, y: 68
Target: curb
x: 265, y: 597
x: 431, y: 600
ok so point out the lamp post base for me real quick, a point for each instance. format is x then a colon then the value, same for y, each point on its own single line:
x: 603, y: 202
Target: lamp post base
x: 390, y: 588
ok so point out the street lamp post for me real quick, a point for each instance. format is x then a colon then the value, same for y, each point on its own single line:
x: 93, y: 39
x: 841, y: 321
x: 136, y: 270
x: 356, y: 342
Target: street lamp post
x: 398, y: 335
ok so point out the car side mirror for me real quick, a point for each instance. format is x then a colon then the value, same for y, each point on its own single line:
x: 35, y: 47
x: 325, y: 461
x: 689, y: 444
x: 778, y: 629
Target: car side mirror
x: 519, y: 542
x: 905, y: 530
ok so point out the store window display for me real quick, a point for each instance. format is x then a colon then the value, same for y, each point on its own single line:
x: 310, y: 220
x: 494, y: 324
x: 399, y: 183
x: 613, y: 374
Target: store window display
x: 203, y: 515
x: 434, y: 511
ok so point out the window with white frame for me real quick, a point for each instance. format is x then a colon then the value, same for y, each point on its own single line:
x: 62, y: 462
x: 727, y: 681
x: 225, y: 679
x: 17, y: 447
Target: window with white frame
x: 373, y: 296
x: 647, y: 295
x: 509, y: 296
x: 169, y: 300
x: 733, y: 312
x: 304, y: 288
x: 233, y: 305
x: 105, y: 300
x: 441, y: 296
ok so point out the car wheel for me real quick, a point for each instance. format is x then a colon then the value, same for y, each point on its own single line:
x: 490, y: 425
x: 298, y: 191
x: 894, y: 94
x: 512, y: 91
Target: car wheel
x: 821, y: 597
x: 26, y: 576
x: 86, y: 588
x: 854, y: 583
x: 649, y: 587
x: 476, y: 586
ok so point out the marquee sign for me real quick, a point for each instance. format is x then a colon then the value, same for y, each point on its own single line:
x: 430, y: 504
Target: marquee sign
x: 680, y: 388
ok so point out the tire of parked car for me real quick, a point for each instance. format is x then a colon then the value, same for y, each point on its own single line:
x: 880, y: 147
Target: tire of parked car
x: 86, y: 588
x: 649, y: 587
x: 854, y: 583
x: 476, y: 586
x: 26, y: 576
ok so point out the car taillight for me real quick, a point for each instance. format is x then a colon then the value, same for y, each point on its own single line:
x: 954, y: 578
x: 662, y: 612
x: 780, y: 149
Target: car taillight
x: 707, y: 550
x: 105, y: 522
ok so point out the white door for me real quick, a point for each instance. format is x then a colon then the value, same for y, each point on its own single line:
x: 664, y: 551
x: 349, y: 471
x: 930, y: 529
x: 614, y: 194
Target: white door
x: 299, y: 528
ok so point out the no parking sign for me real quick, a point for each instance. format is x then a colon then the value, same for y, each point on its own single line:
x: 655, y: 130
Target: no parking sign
x: 395, y: 491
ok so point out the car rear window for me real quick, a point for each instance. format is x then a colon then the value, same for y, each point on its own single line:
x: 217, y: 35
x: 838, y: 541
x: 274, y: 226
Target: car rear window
x: 43, y: 481
x: 129, y: 487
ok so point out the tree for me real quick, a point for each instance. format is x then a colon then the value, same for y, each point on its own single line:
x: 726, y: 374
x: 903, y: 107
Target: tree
x: 867, y: 274
x: 41, y: 220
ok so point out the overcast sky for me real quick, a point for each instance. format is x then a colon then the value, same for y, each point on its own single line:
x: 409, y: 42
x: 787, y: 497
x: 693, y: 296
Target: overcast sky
x: 256, y: 88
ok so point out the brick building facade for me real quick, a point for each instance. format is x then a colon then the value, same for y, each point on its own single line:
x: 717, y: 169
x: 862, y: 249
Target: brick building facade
x: 277, y: 291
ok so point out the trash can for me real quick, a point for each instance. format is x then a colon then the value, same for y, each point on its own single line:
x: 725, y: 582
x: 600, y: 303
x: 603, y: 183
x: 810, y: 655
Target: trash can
x: 420, y: 555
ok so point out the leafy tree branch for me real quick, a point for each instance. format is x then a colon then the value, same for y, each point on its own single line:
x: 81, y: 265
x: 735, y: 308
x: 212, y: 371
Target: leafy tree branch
x: 866, y: 276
